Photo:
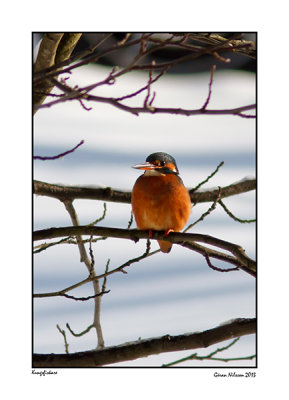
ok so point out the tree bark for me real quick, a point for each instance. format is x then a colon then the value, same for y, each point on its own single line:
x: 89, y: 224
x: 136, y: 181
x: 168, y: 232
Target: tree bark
x: 144, y: 348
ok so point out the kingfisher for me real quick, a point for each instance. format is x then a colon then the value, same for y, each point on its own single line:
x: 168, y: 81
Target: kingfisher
x: 160, y: 200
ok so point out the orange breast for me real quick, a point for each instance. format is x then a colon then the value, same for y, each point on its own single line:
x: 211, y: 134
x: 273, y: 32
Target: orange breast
x: 160, y: 202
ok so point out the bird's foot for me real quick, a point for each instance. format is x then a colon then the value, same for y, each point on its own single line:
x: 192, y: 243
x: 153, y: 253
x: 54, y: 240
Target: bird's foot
x: 150, y: 233
x: 168, y: 231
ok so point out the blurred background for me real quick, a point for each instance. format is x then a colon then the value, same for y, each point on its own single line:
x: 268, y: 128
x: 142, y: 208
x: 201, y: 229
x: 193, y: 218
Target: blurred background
x: 167, y: 293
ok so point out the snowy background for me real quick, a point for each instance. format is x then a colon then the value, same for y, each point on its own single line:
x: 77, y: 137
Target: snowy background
x: 164, y: 294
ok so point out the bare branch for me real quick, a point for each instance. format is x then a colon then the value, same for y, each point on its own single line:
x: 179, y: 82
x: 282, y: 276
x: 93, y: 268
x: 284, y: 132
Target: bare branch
x: 129, y: 262
x: 68, y: 240
x: 210, y: 356
x: 208, y: 178
x: 188, y: 240
x: 84, y: 258
x: 97, y: 220
x: 210, y: 88
x: 231, y: 190
x: 63, y: 291
x: 243, y: 221
x: 105, y: 278
x: 197, y: 52
x: 205, y: 251
x: 109, y: 194
x: 130, y: 220
x: 137, y: 92
x: 59, y: 155
x: 85, y: 298
x: 238, y: 111
x: 217, y: 268
x: 44, y: 246
x: 147, y: 347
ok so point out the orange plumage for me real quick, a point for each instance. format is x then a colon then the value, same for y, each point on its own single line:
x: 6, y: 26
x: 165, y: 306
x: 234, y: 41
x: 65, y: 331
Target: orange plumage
x: 160, y: 200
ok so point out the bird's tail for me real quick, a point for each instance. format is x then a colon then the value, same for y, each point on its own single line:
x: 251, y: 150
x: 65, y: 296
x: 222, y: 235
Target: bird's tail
x: 165, y: 246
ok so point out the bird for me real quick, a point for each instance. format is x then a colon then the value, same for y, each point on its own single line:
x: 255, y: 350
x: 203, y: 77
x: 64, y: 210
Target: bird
x: 160, y: 201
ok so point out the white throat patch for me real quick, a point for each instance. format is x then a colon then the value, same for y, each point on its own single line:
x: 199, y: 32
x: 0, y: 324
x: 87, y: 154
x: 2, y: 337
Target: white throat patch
x: 153, y: 172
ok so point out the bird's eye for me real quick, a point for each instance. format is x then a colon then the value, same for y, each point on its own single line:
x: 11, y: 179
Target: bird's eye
x: 159, y: 163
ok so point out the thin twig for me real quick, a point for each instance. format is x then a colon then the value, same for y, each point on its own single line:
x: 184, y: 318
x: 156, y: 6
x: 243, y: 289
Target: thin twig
x: 91, y: 256
x: 59, y: 155
x: 68, y: 240
x: 130, y: 220
x: 62, y: 331
x: 217, y: 268
x: 81, y: 333
x: 63, y: 291
x: 84, y: 298
x: 125, y: 39
x: 148, y: 87
x: 208, y: 178
x: 44, y: 246
x: 210, y: 88
x: 100, y: 218
x: 220, y: 58
x: 195, y: 355
x: 210, y: 356
x: 109, y: 80
x: 243, y: 221
x: 84, y: 106
x: 105, y: 277
x: 240, y: 114
x: 137, y: 92
x: 205, y: 214
x: 129, y: 262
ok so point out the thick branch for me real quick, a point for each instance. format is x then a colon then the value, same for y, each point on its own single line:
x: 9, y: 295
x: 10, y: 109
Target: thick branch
x: 109, y: 194
x: 144, y: 348
x: 47, y: 51
x: 54, y: 48
x: 243, y: 186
